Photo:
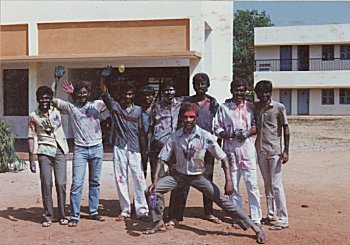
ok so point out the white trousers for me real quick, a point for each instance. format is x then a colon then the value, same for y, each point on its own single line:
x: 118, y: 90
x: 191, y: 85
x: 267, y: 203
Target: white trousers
x: 251, y: 183
x: 271, y: 171
x: 122, y: 161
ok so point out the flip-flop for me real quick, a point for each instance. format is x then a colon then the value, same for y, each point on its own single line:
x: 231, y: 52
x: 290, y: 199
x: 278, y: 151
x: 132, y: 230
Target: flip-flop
x: 63, y: 221
x: 213, y: 219
x: 171, y: 224
x: 261, y: 237
x: 121, y: 218
x: 46, y: 224
x: 278, y: 227
x: 155, y: 229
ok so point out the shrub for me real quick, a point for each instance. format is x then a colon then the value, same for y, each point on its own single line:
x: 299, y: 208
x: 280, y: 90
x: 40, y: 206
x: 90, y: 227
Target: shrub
x: 8, y: 159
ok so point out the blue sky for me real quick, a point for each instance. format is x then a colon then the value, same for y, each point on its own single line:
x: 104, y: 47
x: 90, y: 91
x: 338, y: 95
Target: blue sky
x: 289, y: 13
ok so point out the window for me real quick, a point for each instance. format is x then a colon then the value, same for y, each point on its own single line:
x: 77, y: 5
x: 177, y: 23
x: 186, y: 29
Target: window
x: 344, y: 96
x: 345, y: 52
x: 16, y: 92
x: 327, y: 96
x: 327, y: 52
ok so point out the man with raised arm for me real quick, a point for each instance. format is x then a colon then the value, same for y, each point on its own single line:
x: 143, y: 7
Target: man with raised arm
x: 88, y: 148
x: 128, y: 140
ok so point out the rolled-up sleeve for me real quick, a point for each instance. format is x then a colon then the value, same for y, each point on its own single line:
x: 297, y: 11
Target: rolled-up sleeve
x: 218, y: 121
x: 167, y: 150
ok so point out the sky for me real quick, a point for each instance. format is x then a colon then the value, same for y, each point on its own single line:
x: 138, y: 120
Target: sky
x: 291, y: 13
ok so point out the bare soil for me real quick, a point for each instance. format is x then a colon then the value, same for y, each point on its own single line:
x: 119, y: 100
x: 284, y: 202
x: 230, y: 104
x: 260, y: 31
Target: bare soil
x: 316, y: 180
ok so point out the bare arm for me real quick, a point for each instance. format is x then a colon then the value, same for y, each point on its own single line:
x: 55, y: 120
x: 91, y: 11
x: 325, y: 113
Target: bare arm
x: 59, y: 72
x: 286, y: 139
x: 31, y: 155
x: 228, y: 181
x: 156, y: 174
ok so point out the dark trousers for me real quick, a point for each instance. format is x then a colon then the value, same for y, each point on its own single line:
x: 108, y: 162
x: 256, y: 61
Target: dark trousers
x: 59, y: 166
x: 153, y: 159
x: 178, y: 180
x: 178, y: 197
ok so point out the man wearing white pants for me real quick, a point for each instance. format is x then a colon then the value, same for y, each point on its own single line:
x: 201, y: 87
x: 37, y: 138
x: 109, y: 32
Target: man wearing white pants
x: 271, y: 124
x: 234, y: 122
x: 128, y: 140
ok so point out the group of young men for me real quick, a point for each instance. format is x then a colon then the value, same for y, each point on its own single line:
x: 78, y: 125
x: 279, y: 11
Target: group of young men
x: 177, y: 131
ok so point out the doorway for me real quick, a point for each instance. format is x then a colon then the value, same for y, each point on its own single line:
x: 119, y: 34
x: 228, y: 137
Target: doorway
x: 286, y: 99
x: 303, y: 102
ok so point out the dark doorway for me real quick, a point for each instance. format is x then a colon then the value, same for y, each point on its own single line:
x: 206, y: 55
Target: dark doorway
x: 303, y: 58
x: 286, y: 58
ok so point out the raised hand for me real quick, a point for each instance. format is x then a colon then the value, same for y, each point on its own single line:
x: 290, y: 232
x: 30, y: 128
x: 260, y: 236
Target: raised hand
x: 68, y: 87
x: 47, y: 127
x: 106, y: 72
x: 59, y: 71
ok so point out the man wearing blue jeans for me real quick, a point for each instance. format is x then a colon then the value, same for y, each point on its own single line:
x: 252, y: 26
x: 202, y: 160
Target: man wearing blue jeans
x: 88, y: 148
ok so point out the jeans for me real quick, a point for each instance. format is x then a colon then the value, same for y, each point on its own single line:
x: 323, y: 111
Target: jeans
x: 59, y: 166
x: 93, y: 156
x: 178, y: 180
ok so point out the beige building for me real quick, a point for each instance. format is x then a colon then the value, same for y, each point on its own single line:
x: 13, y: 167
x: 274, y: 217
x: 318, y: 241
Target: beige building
x: 153, y: 39
x: 309, y: 67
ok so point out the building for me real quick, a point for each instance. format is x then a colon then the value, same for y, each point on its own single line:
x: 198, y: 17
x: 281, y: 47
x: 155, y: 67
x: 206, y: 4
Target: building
x: 309, y: 67
x: 153, y: 39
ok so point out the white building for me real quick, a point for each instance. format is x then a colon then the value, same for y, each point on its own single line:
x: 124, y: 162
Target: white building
x: 309, y: 67
x: 153, y: 39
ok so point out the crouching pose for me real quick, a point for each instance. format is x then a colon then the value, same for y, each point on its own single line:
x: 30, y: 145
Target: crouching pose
x: 189, y: 145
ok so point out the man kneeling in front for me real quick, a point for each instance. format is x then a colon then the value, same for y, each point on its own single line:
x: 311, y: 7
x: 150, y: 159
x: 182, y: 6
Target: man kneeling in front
x: 189, y: 145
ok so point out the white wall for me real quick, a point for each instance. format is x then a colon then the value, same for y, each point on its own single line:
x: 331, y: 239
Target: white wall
x: 216, y: 49
x: 306, y: 79
x: 304, y: 35
x: 316, y: 107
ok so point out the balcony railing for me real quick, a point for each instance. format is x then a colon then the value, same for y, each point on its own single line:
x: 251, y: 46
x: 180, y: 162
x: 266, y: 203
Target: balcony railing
x: 314, y: 64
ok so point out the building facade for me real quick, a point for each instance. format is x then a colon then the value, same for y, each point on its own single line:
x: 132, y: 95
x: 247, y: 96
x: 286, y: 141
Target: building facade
x: 309, y: 67
x: 153, y: 39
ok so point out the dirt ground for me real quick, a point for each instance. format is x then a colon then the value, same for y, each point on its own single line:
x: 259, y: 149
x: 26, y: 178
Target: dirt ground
x: 316, y: 180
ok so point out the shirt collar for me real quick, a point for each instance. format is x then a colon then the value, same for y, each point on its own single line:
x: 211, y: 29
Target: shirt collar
x: 197, y: 132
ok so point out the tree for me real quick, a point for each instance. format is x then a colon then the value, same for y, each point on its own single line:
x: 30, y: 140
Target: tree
x: 8, y: 159
x: 243, y: 41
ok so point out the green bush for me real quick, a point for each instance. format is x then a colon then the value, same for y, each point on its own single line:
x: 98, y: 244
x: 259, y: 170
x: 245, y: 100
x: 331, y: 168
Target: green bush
x: 8, y: 159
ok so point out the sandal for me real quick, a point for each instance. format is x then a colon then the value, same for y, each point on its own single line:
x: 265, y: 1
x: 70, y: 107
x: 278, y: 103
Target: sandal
x: 122, y: 218
x: 279, y: 226
x: 73, y: 223
x: 96, y: 217
x: 171, y: 224
x: 46, y: 223
x: 213, y: 219
x: 261, y: 237
x: 236, y: 226
x: 63, y: 221
x: 155, y: 229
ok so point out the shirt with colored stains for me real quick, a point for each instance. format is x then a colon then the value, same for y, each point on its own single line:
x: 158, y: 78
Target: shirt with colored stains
x: 189, y: 150
x: 47, y: 141
x: 127, y: 125
x: 231, y: 117
x: 164, y: 119
x: 269, y: 123
x: 207, y: 111
x: 85, y: 120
